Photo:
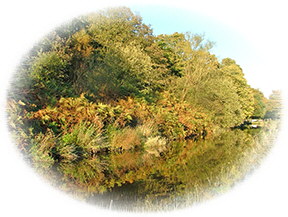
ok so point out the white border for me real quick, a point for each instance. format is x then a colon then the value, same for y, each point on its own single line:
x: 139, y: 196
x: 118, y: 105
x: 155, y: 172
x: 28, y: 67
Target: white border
x: 22, y: 193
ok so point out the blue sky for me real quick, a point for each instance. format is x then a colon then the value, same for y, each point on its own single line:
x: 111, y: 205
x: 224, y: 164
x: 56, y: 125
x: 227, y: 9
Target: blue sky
x: 250, y: 32
x: 229, y: 42
x: 167, y: 20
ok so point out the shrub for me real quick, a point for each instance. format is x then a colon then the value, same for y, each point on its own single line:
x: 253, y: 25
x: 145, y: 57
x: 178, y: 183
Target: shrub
x: 41, y: 150
x: 125, y: 139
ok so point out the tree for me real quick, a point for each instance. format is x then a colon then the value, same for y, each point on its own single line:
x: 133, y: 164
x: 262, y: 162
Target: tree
x: 175, y: 48
x: 274, y: 105
x: 243, y: 90
x: 259, y: 104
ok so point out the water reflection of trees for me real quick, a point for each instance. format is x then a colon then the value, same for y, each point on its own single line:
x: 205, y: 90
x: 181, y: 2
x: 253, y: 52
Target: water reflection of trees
x: 185, y: 173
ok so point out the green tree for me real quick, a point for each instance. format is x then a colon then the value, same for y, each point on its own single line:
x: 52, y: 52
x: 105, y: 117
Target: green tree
x: 243, y: 90
x: 259, y: 104
x: 112, y: 55
x: 274, y: 105
x: 175, y: 49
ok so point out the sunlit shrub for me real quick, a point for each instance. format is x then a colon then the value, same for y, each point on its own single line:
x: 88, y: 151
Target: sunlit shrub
x: 71, y: 111
x: 125, y: 139
x: 155, y: 145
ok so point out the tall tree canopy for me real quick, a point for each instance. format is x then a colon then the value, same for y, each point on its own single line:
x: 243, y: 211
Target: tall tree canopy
x: 113, y: 54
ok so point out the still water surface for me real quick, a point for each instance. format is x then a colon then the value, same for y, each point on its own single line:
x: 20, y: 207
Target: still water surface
x: 186, y: 173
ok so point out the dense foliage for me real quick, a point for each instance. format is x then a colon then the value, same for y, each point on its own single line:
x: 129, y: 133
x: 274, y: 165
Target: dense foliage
x: 101, y: 101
